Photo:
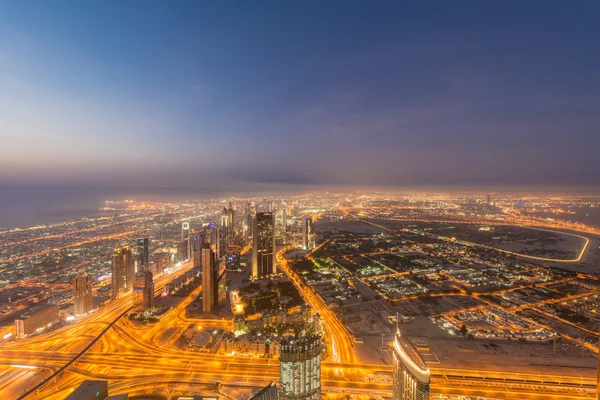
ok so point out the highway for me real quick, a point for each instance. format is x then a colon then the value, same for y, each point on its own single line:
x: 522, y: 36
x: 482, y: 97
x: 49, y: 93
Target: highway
x: 139, y: 358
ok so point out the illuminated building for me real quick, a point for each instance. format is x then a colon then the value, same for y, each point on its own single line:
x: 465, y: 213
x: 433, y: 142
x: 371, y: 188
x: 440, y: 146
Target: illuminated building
x: 300, y: 368
x: 269, y: 392
x: 230, y: 225
x: 221, y: 286
x: 306, y: 233
x: 209, y: 280
x: 143, y: 253
x: 195, y: 246
x: 143, y: 292
x: 122, y: 270
x: 36, y: 319
x: 90, y: 390
x: 284, y: 215
x: 82, y: 293
x: 411, y: 375
x: 185, y: 230
x: 263, y: 245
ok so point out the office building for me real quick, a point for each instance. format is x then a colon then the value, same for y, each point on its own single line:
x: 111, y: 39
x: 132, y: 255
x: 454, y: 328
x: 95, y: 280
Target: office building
x: 209, y: 280
x: 307, y: 233
x: 230, y: 225
x: 185, y: 231
x: 284, y: 216
x: 196, y: 249
x: 35, y: 320
x: 122, y: 270
x: 300, y: 368
x: 269, y: 392
x: 143, y: 249
x: 90, y: 390
x: 143, y: 292
x: 82, y: 293
x: 263, y: 245
x: 411, y: 375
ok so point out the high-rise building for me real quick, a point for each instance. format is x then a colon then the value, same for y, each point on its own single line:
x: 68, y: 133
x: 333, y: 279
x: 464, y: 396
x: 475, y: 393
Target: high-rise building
x: 196, y: 249
x: 300, y: 368
x: 230, y: 225
x: 284, y: 215
x: 263, y: 245
x: 143, y: 291
x: 82, y: 293
x: 143, y: 249
x: 209, y: 280
x: 307, y: 233
x: 411, y: 375
x: 122, y: 270
x: 185, y: 230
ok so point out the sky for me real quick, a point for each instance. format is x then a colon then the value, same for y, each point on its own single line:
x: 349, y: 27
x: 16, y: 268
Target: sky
x: 209, y: 94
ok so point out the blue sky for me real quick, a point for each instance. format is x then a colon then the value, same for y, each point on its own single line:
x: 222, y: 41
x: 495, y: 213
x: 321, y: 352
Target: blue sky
x: 334, y: 93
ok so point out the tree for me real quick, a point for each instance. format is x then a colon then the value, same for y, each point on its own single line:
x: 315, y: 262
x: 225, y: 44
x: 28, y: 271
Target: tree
x: 463, y: 330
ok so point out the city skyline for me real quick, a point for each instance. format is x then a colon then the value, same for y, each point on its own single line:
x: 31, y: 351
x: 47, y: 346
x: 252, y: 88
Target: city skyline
x: 302, y: 200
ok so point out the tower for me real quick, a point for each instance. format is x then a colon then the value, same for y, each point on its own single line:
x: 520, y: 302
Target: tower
x: 411, y: 375
x: 263, y: 245
x: 82, y: 293
x: 300, y: 368
x: 143, y: 253
x: 306, y: 233
x: 209, y: 280
x: 122, y: 270
x: 230, y: 225
x: 284, y: 215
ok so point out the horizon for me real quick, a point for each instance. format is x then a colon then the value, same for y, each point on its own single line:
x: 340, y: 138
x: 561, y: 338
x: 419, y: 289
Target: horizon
x: 200, y: 94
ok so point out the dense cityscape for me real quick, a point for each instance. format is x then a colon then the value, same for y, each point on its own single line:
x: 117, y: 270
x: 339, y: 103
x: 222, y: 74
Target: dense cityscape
x: 368, y: 295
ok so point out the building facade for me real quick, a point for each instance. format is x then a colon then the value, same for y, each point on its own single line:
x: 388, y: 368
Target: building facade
x: 411, y: 375
x: 209, y: 280
x: 307, y: 233
x: 122, y: 270
x: 36, y: 319
x: 82, y: 293
x: 300, y: 368
x: 263, y: 245
x: 143, y: 249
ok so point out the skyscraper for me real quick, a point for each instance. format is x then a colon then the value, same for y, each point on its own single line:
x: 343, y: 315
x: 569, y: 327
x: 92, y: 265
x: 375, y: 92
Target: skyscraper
x: 300, y: 368
x: 263, y: 245
x: 411, y: 375
x: 196, y: 249
x: 82, y: 293
x: 306, y: 233
x: 230, y: 225
x: 143, y: 290
x: 143, y: 253
x: 185, y: 230
x: 209, y: 280
x: 122, y: 270
x: 284, y: 215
